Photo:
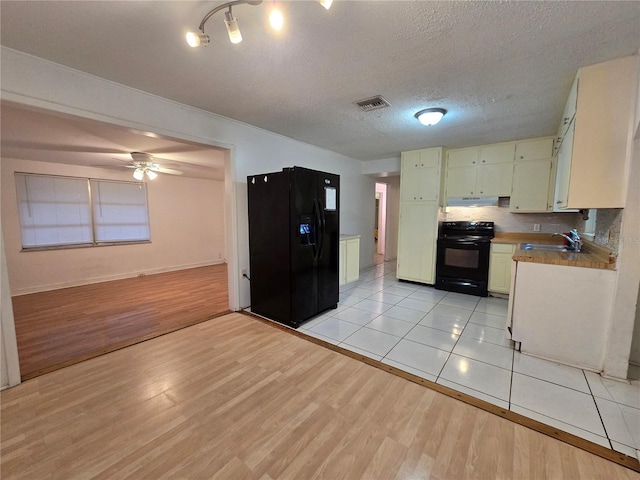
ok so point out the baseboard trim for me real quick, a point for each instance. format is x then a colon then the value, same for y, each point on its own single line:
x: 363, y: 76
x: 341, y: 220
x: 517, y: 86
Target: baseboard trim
x: 109, y: 278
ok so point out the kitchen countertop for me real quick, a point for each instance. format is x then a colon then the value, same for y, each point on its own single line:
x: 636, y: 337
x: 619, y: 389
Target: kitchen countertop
x: 591, y: 256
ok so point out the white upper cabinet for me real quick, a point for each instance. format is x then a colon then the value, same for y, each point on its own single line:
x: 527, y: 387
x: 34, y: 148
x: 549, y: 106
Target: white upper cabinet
x: 498, y: 153
x: 536, y: 149
x: 533, y: 180
x: 480, y: 171
x: 569, y: 112
x: 594, y: 158
x: 420, y: 175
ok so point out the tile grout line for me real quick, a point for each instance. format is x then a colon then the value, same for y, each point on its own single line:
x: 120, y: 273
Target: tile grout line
x: 457, y: 340
x: 593, y: 397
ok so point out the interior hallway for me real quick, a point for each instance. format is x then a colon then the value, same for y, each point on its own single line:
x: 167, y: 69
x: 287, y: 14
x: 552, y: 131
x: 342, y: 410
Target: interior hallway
x: 61, y: 327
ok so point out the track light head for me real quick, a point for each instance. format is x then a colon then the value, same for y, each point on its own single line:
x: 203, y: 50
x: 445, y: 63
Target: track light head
x: 197, y: 39
x: 233, y: 29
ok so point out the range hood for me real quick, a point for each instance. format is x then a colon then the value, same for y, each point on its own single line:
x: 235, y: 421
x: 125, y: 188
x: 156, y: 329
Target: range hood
x: 472, y: 201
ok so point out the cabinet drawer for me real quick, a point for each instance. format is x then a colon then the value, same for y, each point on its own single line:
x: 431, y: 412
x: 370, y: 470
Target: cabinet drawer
x: 503, y: 248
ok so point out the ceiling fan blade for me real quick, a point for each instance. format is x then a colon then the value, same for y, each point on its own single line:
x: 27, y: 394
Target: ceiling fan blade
x: 170, y: 171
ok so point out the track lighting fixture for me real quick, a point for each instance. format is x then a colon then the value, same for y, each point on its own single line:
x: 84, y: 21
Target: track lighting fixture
x: 197, y: 39
x: 430, y: 116
x: 276, y: 19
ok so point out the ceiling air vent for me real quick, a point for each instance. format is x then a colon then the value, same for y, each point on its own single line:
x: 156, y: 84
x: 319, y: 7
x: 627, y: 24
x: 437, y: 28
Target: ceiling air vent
x: 373, y: 103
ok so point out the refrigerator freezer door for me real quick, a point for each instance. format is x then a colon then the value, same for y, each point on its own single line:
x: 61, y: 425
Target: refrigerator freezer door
x: 269, y: 246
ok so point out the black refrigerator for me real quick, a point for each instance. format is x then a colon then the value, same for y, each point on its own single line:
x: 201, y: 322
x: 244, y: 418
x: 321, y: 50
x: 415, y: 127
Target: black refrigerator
x: 294, y: 219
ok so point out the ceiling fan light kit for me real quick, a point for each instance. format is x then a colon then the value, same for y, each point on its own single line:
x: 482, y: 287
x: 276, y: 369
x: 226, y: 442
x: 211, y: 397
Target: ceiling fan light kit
x: 276, y: 19
x: 144, y: 164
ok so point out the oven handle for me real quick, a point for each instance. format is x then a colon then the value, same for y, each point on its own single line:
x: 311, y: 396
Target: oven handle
x: 449, y: 243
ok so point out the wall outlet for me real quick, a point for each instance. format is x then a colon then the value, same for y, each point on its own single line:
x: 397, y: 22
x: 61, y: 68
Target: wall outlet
x: 244, y: 271
x: 536, y: 227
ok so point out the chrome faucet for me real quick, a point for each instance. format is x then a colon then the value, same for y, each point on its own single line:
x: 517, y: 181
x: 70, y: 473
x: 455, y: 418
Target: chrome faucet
x: 573, y: 238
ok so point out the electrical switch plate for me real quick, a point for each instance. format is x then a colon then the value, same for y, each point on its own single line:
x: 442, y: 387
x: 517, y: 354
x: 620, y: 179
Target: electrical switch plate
x: 536, y: 227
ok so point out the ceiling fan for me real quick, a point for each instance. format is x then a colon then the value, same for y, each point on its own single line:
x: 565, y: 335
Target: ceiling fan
x: 144, y: 164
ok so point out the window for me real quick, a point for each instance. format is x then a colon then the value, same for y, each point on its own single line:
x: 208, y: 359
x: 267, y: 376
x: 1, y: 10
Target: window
x: 64, y: 211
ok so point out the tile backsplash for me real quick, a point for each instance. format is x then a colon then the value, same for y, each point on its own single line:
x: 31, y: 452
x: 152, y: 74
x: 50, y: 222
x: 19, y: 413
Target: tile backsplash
x: 506, y: 221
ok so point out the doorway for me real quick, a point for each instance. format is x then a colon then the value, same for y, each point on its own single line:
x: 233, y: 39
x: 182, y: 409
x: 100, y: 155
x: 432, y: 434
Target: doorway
x: 380, y: 232
x: 136, y: 315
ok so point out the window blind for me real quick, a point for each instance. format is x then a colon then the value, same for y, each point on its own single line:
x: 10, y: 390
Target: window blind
x: 119, y: 211
x: 64, y: 211
x: 53, y: 210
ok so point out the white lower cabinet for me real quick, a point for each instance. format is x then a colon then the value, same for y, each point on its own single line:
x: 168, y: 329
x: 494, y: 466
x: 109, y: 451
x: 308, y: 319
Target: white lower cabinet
x: 562, y: 313
x: 417, y: 242
x: 500, y: 267
x: 349, y: 270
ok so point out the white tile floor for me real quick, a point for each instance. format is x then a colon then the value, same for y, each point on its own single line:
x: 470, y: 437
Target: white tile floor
x: 458, y: 341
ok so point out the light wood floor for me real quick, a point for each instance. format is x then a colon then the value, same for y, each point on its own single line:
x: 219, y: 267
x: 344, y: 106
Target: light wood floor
x: 236, y: 397
x: 62, y: 327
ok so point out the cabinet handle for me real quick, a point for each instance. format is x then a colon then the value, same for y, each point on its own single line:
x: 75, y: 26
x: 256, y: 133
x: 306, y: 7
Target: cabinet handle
x: 481, y: 192
x: 558, y: 202
x: 483, y: 161
x: 566, y: 120
x: 517, y: 207
x: 521, y: 157
x: 474, y: 162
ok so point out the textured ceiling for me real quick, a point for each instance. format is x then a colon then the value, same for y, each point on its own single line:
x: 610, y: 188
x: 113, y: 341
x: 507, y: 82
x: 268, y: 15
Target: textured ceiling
x: 502, y: 69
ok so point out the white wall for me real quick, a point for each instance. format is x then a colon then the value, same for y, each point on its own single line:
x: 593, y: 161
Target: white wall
x: 186, y: 216
x: 9, y: 363
x: 54, y: 87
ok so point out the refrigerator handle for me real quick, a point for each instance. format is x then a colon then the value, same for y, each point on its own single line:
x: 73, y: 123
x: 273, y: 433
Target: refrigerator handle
x: 319, y: 227
x: 322, y: 228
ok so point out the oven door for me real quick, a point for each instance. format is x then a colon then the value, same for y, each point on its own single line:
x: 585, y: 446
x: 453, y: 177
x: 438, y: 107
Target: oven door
x: 463, y: 259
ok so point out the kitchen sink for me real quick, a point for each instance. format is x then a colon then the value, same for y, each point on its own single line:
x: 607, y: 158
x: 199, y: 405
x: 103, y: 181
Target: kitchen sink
x: 546, y: 247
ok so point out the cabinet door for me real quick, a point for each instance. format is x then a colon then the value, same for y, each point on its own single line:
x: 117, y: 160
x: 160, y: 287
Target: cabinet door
x: 564, y: 169
x: 353, y: 260
x: 500, y: 267
x: 410, y: 159
x: 463, y: 157
x: 531, y: 186
x: 534, y: 149
x: 569, y: 108
x: 429, y: 183
x: 420, y: 184
x: 499, y: 153
x: 461, y: 181
x: 417, y: 242
x: 495, y: 180
x: 342, y: 269
x: 410, y: 185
